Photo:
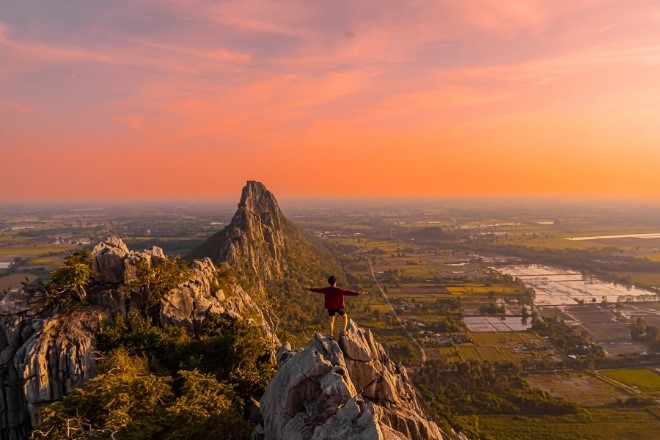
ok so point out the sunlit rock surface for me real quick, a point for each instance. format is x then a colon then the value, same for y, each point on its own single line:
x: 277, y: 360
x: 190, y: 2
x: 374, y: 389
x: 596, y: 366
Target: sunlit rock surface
x: 254, y: 242
x: 348, y: 389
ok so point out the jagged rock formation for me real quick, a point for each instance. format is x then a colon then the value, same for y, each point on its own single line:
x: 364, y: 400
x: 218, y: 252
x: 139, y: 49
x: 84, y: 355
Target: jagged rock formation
x: 254, y: 241
x: 345, y: 390
x: 263, y: 245
x: 273, y: 258
x: 47, y: 349
x: 43, y: 357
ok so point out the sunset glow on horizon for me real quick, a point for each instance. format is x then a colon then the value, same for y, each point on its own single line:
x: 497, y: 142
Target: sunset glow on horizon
x: 179, y: 99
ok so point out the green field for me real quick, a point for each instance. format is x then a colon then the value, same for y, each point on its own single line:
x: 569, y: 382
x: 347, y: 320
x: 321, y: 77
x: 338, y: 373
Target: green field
x: 581, y: 388
x: 645, y: 380
x: 649, y: 279
x: 500, y: 338
x: 382, y: 308
x: 447, y: 354
x: 594, y: 424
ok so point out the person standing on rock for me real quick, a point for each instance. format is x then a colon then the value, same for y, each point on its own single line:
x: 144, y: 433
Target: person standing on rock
x: 334, y: 302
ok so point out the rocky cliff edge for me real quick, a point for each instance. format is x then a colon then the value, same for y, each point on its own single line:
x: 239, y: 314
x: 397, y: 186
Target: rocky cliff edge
x: 340, y: 390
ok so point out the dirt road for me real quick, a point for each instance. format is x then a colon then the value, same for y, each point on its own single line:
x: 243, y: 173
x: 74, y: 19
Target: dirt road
x: 387, y: 300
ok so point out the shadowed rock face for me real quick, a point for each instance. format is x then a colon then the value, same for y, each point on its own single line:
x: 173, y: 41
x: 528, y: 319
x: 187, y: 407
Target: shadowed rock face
x: 47, y: 350
x: 345, y: 390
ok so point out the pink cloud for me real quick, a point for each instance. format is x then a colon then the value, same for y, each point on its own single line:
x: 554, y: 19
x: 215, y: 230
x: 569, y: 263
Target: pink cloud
x: 296, y: 80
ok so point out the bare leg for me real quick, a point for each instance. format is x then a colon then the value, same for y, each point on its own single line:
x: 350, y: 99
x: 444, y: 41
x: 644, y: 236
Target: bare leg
x: 331, y: 326
x: 345, y: 322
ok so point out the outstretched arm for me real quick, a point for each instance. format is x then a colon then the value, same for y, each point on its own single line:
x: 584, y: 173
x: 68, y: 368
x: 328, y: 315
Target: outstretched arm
x: 352, y: 292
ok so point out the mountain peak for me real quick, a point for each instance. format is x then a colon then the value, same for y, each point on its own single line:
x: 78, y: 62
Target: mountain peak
x: 254, y: 240
x: 257, y: 201
x: 256, y: 192
x: 272, y: 256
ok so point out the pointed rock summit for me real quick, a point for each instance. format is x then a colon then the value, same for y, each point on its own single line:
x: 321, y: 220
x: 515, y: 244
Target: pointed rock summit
x: 263, y: 246
x: 254, y: 241
x: 345, y: 390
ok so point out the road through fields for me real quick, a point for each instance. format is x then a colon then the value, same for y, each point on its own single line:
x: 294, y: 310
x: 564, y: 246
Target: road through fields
x: 387, y: 300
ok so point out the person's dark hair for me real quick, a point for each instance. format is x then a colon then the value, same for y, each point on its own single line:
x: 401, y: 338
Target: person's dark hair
x: 332, y: 280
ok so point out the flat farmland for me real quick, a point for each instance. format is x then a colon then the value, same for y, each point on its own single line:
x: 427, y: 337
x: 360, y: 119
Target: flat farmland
x: 23, y: 251
x: 653, y: 256
x: 447, y: 354
x: 555, y: 286
x: 597, y: 424
x: 480, y: 289
x: 418, y: 292
x: 641, y: 378
x: 492, y: 347
x: 490, y: 354
x: 54, y: 260
x: 649, y: 279
x: 468, y: 352
x: 581, y: 388
x: 14, y: 280
x: 601, y: 324
x: 382, y: 308
x: 505, y: 338
x: 649, y: 311
x: 508, y: 346
x: 457, y: 353
x: 497, y: 354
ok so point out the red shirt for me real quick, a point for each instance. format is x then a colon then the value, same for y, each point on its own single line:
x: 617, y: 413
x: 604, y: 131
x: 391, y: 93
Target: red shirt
x: 334, y: 296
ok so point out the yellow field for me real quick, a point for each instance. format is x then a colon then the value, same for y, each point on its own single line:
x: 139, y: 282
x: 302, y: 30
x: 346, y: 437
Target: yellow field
x: 47, y: 261
x: 449, y: 354
x: 469, y: 352
x: 383, y: 308
x: 478, y: 288
x: 652, y: 257
x: 31, y: 251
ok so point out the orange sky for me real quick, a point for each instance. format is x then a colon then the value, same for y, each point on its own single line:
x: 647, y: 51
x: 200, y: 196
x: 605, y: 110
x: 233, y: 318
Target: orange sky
x: 190, y: 98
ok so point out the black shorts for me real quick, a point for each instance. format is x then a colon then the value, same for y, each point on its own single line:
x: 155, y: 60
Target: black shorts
x: 340, y: 312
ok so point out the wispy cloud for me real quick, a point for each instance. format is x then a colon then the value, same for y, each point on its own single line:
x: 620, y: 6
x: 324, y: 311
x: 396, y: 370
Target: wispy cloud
x: 291, y: 80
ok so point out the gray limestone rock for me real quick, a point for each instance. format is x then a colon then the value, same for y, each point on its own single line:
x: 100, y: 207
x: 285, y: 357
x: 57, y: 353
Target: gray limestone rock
x: 108, y: 260
x: 254, y: 243
x: 58, y: 358
x: 21, y: 301
x: 47, y: 350
x: 345, y: 390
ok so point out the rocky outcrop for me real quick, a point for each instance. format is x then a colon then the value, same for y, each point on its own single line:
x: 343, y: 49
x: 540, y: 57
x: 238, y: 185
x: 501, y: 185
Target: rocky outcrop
x: 192, y: 300
x: 114, y: 263
x: 108, y: 260
x: 48, y: 348
x: 58, y: 357
x: 117, y: 272
x: 342, y: 390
